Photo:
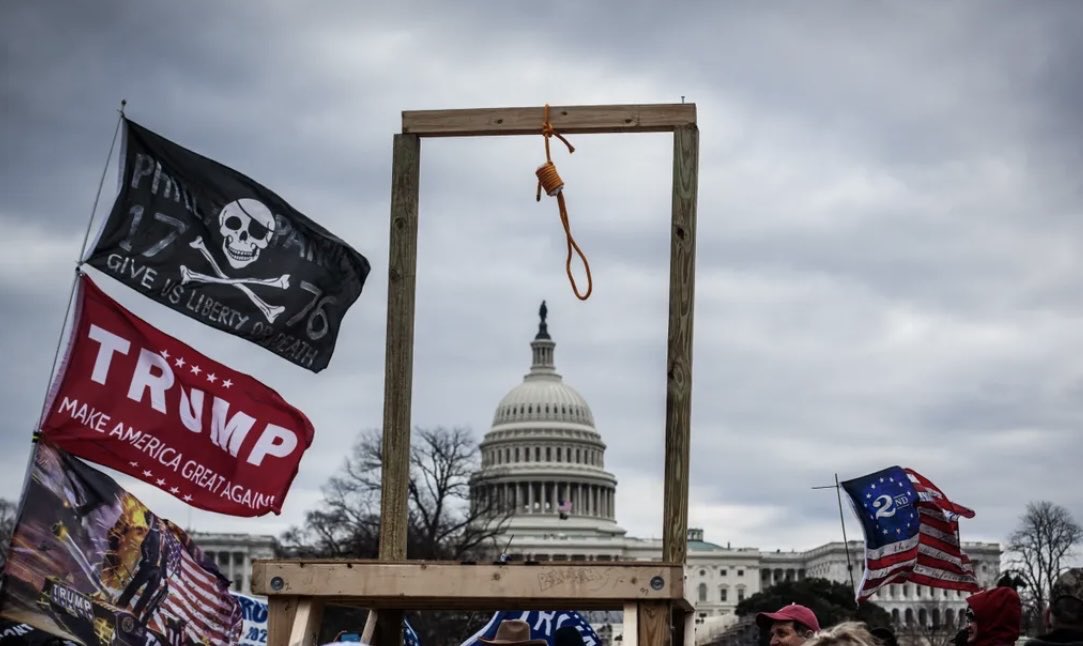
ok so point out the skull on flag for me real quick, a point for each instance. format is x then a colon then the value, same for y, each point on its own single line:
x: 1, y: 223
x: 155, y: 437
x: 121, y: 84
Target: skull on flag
x: 246, y: 226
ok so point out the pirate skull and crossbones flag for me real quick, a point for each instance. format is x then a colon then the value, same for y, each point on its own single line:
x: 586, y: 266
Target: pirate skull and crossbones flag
x: 213, y: 244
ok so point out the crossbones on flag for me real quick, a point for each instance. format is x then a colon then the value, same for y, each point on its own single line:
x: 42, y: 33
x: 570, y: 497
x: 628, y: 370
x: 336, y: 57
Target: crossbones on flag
x: 911, y: 532
x: 213, y: 244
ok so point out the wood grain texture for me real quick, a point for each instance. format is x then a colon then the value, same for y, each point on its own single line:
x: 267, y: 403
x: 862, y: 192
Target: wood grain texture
x: 399, y: 356
x: 424, y: 585
x: 306, y: 623
x: 576, y: 119
x: 682, y: 274
x: 654, y: 623
x: 280, y: 612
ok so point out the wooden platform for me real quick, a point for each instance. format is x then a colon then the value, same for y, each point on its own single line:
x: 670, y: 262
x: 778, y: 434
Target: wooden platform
x: 567, y: 119
x: 650, y: 594
x: 421, y: 585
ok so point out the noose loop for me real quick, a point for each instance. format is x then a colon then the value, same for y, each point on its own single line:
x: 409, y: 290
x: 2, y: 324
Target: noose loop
x: 549, y: 180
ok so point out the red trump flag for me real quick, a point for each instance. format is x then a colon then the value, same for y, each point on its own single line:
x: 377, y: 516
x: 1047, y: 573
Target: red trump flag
x: 139, y: 401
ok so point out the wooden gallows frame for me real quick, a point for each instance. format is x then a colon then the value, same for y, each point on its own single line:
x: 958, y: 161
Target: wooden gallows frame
x: 651, y: 594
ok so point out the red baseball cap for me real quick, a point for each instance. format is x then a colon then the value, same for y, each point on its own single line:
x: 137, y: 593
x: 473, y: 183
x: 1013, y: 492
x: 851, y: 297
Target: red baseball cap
x: 793, y: 612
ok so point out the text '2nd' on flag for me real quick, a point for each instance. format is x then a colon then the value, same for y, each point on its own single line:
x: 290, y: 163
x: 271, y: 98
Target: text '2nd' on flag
x: 911, y: 532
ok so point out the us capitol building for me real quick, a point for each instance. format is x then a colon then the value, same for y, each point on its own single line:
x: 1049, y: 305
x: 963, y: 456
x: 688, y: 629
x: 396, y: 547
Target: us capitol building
x: 543, y: 463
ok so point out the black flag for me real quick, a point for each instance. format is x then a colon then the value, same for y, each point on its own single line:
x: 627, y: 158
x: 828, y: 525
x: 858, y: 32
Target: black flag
x: 211, y: 243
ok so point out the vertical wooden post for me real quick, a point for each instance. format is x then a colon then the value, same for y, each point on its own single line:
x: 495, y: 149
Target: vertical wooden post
x: 631, y: 625
x: 370, y: 627
x: 280, y: 613
x: 306, y: 623
x: 682, y: 266
x: 654, y: 623
x: 399, y: 362
x: 688, y: 619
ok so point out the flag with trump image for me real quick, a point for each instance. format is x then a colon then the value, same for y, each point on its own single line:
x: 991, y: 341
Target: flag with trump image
x: 911, y: 532
x: 90, y: 563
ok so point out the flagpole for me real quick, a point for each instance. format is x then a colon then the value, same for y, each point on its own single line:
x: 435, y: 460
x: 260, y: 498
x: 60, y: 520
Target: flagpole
x: 82, y: 249
x: 845, y: 541
x: 60, y: 340
x: 842, y: 521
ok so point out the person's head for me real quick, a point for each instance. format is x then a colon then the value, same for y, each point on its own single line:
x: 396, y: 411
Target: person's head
x: 1066, y: 601
x: 850, y: 633
x: 993, y: 616
x: 792, y: 625
x: 885, y: 636
x: 513, y: 632
x: 568, y: 636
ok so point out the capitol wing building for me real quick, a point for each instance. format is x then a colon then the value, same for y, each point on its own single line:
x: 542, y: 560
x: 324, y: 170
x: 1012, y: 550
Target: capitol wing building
x: 543, y: 464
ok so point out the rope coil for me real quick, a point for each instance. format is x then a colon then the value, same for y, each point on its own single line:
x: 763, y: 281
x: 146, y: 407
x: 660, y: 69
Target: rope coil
x: 549, y: 180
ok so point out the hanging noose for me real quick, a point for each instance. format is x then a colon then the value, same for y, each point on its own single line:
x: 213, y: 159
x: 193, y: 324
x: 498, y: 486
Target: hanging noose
x: 549, y: 180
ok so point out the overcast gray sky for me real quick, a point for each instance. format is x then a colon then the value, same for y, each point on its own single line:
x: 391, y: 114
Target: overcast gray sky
x: 890, y: 258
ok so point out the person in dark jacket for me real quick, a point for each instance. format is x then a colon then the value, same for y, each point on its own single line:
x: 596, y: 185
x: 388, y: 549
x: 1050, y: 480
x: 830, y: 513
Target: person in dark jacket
x: 994, y: 617
x: 568, y: 636
x: 1064, y: 616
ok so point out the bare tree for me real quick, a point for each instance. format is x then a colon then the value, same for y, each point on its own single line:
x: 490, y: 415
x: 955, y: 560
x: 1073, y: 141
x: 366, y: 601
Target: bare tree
x: 1040, y: 545
x: 444, y: 524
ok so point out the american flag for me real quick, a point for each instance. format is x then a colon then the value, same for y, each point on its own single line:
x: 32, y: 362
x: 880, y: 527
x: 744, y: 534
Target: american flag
x: 564, y: 508
x: 197, y: 601
x: 911, y: 532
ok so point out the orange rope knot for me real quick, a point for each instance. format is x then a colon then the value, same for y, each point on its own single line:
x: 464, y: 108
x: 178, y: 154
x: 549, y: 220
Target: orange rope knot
x: 549, y: 179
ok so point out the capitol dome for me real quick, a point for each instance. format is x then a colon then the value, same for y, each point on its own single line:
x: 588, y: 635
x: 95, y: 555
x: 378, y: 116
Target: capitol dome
x: 543, y: 397
x: 543, y: 461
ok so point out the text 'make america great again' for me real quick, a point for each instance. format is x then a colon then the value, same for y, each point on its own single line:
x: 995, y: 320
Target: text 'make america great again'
x: 137, y: 400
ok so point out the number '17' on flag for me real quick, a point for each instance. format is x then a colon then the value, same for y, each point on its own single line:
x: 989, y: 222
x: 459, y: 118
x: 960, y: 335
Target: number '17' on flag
x: 215, y: 245
x: 911, y: 532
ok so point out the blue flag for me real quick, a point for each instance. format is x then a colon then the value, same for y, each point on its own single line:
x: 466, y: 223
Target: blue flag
x: 911, y: 532
x: 409, y: 637
x: 543, y: 625
x: 884, y: 502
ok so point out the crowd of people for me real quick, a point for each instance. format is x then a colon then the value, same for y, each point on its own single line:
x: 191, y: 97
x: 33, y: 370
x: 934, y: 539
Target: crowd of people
x: 993, y: 618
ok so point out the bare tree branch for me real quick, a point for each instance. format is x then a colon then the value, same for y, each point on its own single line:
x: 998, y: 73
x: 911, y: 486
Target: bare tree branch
x: 1040, y: 546
x: 444, y: 523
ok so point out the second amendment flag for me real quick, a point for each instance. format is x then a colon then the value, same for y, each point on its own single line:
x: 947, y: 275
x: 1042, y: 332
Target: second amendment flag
x: 908, y: 535
x: 213, y: 244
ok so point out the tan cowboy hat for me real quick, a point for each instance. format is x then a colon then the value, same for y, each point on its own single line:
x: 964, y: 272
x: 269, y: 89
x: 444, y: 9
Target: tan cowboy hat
x: 513, y: 632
